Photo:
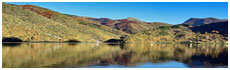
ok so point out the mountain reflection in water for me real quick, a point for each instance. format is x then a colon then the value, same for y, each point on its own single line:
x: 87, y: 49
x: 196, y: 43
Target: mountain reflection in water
x: 56, y: 55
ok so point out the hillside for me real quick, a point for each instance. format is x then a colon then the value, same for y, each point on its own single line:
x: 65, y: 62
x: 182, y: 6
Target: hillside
x: 32, y: 23
x: 175, y: 34
x: 221, y: 27
x: 202, y: 21
x: 129, y: 25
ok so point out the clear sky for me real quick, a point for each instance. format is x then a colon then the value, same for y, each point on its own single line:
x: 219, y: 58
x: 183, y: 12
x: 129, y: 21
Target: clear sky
x: 169, y: 12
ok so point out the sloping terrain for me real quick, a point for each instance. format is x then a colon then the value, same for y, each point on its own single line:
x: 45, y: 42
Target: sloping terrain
x: 202, y: 21
x: 221, y: 27
x: 40, y: 24
x: 175, y: 34
x: 129, y: 25
x: 83, y: 21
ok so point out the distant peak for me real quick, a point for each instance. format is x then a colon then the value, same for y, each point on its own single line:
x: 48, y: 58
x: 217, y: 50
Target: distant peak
x: 205, y: 18
x: 133, y: 19
x: 194, y: 18
x: 202, y: 21
x: 212, y: 18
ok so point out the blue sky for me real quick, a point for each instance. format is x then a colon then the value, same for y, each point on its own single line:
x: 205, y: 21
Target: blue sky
x: 169, y: 12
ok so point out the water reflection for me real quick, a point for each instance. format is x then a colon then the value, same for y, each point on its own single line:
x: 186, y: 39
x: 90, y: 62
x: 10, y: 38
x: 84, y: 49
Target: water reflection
x: 10, y: 44
x: 121, y: 55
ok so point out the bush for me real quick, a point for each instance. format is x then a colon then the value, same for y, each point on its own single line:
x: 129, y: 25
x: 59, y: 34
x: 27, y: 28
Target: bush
x: 165, y: 27
x: 83, y: 23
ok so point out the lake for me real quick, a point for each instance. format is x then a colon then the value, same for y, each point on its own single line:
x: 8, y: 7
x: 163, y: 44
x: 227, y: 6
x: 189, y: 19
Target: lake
x: 92, y: 55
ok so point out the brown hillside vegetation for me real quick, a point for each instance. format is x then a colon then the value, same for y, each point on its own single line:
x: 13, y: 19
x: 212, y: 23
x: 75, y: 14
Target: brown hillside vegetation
x: 49, y: 14
x: 29, y: 25
x: 176, y: 34
x: 129, y: 25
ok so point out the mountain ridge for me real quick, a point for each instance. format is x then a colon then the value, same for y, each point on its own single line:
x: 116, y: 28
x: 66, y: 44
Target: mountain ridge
x: 221, y: 27
x: 202, y: 21
x: 128, y: 24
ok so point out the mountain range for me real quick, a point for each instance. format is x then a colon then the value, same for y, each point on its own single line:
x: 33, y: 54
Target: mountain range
x: 129, y: 25
x: 33, y: 23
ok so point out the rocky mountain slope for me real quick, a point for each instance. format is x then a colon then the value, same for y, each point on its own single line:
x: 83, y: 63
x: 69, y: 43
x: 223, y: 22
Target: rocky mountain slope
x: 129, y: 25
x: 202, y: 21
x: 221, y: 27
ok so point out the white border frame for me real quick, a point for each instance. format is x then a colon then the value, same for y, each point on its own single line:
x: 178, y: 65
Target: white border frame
x: 110, y: 1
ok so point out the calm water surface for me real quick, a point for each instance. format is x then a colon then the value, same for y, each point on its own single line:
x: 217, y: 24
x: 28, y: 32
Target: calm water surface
x: 91, y: 55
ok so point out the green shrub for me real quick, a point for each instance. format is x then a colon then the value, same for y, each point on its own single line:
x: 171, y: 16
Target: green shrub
x: 83, y: 23
x: 165, y: 27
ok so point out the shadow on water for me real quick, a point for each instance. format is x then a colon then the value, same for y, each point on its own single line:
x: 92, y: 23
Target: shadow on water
x: 116, y: 42
x: 121, y: 45
x: 11, y: 39
x: 73, y: 42
x: 113, y: 41
x: 121, y: 40
x: 11, y: 44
